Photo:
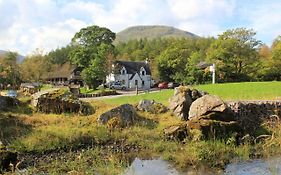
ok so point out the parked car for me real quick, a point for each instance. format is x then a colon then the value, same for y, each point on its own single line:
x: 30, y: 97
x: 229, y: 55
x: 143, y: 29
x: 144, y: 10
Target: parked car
x: 172, y: 85
x: 163, y: 85
x: 118, y: 85
x: 12, y: 93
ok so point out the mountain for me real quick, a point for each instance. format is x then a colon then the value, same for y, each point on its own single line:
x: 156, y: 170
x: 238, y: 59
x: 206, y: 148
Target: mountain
x: 20, y: 58
x: 151, y: 32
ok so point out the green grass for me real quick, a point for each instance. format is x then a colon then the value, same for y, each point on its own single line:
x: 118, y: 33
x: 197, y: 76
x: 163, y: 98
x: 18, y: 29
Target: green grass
x: 46, y: 87
x: 84, y: 90
x: 245, y: 91
x: 227, y: 91
x: 161, y: 96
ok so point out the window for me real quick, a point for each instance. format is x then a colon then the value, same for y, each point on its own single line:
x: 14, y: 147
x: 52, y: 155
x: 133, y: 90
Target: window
x: 142, y: 83
x: 123, y: 71
x: 142, y: 71
x: 136, y: 82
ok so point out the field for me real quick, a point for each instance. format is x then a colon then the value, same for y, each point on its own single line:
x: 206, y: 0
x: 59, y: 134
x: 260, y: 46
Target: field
x: 71, y: 143
x: 227, y: 91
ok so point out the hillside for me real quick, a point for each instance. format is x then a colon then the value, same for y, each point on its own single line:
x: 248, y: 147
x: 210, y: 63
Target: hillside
x: 20, y: 58
x: 150, y: 32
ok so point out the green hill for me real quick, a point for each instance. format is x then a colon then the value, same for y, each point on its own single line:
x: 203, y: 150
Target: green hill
x: 151, y: 32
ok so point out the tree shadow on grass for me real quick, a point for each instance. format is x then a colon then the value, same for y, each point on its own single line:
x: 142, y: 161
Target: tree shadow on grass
x: 147, y: 123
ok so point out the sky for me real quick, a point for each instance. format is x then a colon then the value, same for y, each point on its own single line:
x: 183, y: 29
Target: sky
x: 29, y: 25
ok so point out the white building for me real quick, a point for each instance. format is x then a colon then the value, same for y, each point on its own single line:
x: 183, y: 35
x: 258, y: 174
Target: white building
x: 131, y: 74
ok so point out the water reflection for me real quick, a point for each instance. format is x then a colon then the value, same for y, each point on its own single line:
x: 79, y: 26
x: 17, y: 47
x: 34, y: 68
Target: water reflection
x: 266, y: 167
x: 160, y: 167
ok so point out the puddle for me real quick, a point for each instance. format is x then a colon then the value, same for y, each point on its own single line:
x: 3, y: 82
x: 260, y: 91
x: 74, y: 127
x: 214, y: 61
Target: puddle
x: 266, y: 167
x: 160, y: 167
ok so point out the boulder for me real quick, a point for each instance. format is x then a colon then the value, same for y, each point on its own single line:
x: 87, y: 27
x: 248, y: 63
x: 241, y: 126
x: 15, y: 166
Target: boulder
x: 182, y: 100
x: 7, y: 102
x: 209, y: 107
x: 151, y: 106
x: 60, y: 101
x: 6, y: 158
x: 123, y: 115
x: 213, y: 128
x: 176, y: 132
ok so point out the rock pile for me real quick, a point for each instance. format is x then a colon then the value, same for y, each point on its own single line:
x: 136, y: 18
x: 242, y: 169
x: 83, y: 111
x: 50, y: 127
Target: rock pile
x: 121, y: 116
x: 60, y: 101
x: 151, y: 106
x: 182, y: 100
x: 207, y: 116
x: 212, y: 117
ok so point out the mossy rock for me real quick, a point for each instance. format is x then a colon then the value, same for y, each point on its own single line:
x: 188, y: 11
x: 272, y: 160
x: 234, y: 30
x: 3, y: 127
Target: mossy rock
x: 213, y: 129
x: 176, y: 132
x: 7, y: 158
x: 61, y: 101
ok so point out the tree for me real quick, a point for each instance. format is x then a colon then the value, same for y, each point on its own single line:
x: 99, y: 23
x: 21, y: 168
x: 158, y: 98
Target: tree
x: 235, y: 54
x: 9, y: 71
x: 92, y: 46
x: 274, y: 63
x: 172, y: 61
x: 60, y: 55
x: 34, y: 67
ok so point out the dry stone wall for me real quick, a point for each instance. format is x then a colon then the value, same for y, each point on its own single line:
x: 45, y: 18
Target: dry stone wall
x: 251, y: 114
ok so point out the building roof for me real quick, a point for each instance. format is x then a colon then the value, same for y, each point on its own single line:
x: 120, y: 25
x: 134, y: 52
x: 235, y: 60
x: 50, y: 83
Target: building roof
x: 203, y: 65
x: 133, y: 67
x: 63, y: 71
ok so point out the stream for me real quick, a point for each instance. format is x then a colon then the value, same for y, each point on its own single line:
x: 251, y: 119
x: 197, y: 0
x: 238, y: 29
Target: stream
x: 160, y: 167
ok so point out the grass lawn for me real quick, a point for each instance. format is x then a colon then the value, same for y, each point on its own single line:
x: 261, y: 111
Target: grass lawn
x: 84, y: 90
x: 227, y: 91
x: 161, y: 96
x: 245, y: 91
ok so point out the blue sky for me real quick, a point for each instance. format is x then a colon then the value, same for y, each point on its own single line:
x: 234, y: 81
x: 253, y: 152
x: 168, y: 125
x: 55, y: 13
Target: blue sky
x: 27, y: 25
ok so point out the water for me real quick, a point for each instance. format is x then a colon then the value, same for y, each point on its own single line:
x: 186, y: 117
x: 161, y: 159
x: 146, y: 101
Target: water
x: 160, y: 167
x: 265, y: 167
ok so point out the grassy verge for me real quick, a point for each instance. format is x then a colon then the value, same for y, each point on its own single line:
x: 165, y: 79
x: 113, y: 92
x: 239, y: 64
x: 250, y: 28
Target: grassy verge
x: 159, y: 96
x: 227, y: 91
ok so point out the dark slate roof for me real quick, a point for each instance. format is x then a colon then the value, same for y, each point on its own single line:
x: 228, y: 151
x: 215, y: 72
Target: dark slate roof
x: 203, y: 65
x: 133, y: 67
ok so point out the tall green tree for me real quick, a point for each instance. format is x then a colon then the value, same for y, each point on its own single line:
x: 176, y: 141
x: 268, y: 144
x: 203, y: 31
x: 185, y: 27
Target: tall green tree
x: 273, y: 66
x: 60, y: 55
x: 34, y: 67
x: 235, y: 54
x: 92, y: 47
x: 9, y: 71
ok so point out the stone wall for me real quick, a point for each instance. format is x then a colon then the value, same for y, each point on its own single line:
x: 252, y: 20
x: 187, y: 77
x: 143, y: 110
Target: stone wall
x: 251, y: 114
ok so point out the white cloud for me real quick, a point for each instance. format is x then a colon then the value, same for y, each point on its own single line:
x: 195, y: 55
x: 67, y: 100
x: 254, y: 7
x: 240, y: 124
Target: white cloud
x: 266, y: 20
x: 48, y: 24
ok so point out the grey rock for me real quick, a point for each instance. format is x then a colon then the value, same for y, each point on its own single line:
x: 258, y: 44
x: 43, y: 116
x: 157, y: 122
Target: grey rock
x: 182, y: 100
x: 60, y: 101
x: 125, y: 113
x: 208, y: 107
x: 151, y: 106
x: 8, y: 102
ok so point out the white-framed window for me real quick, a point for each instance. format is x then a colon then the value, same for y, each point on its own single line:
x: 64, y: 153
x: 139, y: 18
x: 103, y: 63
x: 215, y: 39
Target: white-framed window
x: 142, y: 71
x: 123, y: 71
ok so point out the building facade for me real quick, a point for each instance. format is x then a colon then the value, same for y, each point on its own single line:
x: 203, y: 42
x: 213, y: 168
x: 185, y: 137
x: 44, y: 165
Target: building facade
x: 131, y: 74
